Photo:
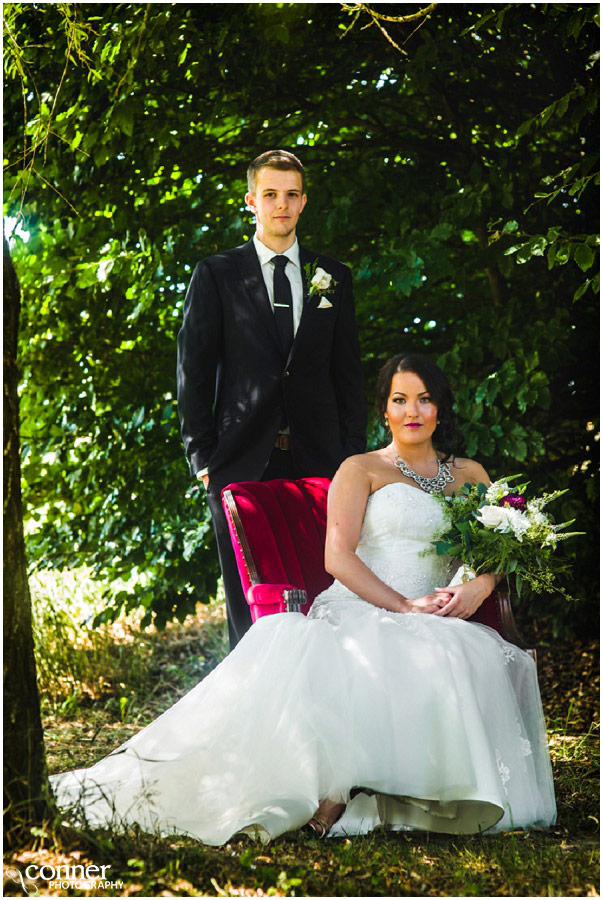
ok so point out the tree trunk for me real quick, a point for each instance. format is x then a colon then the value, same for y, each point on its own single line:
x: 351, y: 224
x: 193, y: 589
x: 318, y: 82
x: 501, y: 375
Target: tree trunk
x: 26, y: 794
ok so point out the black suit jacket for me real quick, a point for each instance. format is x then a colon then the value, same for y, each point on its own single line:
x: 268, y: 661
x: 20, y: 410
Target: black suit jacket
x: 233, y: 380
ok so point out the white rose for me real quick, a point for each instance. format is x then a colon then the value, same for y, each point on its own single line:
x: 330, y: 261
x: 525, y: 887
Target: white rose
x: 496, y: 517
x: 321, y: 280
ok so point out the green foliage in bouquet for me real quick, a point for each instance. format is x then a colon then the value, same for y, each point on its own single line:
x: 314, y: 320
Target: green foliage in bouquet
x: 494, y: 529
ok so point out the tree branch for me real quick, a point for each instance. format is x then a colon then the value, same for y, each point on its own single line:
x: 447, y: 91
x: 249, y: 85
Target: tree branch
x: 364, y: 7
x: 376, y: 19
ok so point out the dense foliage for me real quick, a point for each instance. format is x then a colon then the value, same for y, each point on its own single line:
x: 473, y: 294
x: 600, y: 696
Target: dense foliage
x: 455, y: 173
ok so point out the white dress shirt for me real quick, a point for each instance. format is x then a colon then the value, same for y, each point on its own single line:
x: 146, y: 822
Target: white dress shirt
x: 292, y: 271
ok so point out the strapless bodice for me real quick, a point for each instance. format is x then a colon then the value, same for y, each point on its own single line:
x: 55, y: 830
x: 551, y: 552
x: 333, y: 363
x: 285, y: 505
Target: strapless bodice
x: 401, y: 513
x: 399, y: 525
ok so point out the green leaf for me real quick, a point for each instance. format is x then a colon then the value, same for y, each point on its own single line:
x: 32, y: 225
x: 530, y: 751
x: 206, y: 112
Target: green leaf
x: 525, y: 127
x: 553, y: 234
x: 123, y: 117
x: 444, y: 547
x: 441, y: 231
x: 584, y: 256
x: 563, y: 254
x: 581, y: 290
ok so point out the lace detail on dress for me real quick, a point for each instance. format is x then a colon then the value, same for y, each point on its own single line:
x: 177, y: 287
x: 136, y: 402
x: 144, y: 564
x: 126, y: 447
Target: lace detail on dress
x: 508, y: 653
x: 525, y: 748
x: 503, y: 771
x: 323, y: 611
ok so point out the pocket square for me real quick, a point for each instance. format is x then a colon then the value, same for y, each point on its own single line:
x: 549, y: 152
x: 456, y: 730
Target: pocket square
x: 324, y: 304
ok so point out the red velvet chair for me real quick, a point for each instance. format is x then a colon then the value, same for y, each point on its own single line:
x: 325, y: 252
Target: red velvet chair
x: 278, y: 533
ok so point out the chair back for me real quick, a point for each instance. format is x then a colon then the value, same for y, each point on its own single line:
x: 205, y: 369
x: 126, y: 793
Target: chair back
x: 278, y: 533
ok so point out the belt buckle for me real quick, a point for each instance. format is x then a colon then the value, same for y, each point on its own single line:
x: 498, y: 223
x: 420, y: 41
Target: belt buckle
x: 283, y: 442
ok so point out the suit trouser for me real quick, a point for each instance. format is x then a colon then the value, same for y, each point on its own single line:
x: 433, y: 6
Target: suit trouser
x: 280, y: 465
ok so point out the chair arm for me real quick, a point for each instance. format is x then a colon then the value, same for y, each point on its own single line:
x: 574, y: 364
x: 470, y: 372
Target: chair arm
x: 497, y: 613
x: 510, y: 632
x: 268, y: 599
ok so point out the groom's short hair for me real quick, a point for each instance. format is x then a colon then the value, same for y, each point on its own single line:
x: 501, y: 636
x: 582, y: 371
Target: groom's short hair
x: 274, y: 159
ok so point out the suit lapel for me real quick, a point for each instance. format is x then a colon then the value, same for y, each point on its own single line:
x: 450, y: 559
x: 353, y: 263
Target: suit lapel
x: 252, y: 279
x: 305, y: 258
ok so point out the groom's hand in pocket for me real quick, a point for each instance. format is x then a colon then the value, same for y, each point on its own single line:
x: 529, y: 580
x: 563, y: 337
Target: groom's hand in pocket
x: 203, y: 478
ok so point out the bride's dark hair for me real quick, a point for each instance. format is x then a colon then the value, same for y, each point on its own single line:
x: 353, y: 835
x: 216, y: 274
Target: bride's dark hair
x: 445, y: 437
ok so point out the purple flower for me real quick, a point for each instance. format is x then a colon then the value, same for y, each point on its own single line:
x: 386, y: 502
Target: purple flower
x: 515, y: 501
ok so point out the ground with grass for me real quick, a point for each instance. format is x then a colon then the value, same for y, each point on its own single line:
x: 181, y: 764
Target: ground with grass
x: 100, y: 687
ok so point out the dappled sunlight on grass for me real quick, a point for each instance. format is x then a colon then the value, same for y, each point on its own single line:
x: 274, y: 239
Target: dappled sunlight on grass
x: 86, y: 719
x: 98, y: 686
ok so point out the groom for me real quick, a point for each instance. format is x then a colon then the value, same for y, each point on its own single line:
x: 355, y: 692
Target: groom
x: 269, y: 376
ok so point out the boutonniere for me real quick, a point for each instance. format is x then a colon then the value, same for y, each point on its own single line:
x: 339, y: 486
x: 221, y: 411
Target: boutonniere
x: 320, y: 282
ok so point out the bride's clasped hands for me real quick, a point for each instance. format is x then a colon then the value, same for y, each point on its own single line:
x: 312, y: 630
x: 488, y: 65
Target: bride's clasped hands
x: 458, y: 601
x: 462, y: 600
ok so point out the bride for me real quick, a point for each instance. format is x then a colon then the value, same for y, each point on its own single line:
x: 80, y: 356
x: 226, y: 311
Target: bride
x: 381, y: 707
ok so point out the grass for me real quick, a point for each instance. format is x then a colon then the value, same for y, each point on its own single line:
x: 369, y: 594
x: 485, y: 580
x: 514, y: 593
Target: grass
x: 100, y: 687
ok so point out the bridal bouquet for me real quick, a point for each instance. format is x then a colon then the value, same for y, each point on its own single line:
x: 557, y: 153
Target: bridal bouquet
x: 496, y: 529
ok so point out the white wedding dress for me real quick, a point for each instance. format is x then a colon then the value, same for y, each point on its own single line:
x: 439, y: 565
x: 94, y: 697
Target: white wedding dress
x: 439, y: 719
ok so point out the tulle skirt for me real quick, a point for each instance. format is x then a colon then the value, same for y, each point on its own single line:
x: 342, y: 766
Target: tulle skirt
x: 415, y: 721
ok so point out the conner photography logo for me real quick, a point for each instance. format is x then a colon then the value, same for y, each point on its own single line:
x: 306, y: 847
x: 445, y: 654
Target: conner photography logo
x: 34, y: 879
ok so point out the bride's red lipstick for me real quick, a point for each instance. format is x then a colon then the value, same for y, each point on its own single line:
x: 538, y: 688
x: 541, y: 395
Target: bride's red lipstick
x: 414, y: 425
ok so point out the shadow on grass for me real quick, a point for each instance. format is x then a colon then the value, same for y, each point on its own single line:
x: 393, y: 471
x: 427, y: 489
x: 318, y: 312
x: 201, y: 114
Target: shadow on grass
x: 561, y: 862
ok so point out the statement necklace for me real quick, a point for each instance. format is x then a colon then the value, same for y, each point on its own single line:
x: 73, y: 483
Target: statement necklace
x: 429, y: 485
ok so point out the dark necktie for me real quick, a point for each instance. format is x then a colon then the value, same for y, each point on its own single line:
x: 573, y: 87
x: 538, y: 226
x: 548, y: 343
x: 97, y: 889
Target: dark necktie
x: 283, y: 304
